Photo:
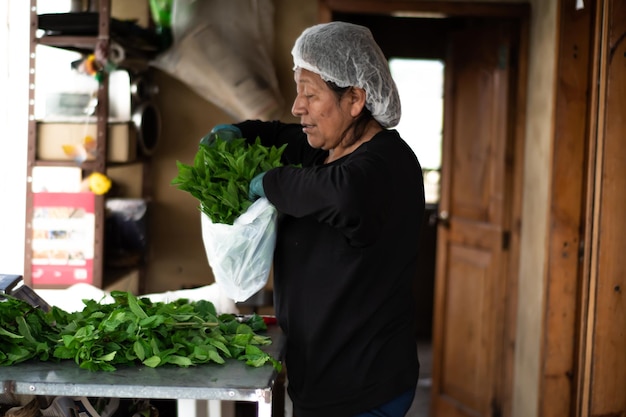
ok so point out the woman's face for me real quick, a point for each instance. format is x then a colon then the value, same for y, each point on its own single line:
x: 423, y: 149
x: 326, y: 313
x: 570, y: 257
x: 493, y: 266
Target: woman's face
x: 324, y: 118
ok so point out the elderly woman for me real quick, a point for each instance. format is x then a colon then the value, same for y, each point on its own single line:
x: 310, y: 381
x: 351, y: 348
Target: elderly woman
x: 350, y: 200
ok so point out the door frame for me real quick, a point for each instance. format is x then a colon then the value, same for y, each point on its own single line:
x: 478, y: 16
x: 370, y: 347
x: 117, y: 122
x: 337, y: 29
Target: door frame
x: 521, y: 13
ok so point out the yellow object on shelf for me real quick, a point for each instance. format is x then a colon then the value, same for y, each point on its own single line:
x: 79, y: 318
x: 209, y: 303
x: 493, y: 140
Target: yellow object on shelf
x: 98, y: 183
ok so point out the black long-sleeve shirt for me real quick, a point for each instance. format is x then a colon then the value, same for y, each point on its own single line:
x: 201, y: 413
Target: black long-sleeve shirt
x: 344, y: 266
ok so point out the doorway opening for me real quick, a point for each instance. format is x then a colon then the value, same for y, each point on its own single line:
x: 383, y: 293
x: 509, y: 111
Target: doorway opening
x: 420, y: 85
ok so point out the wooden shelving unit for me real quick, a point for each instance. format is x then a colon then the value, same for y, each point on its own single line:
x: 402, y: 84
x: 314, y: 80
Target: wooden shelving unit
x: 85, y: 44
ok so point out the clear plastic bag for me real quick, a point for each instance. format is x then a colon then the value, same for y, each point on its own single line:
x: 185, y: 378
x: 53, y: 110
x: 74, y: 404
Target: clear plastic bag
x: 241, y: 254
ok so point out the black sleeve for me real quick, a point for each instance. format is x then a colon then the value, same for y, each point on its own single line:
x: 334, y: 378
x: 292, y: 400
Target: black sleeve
x: 351, y: 197
x: 276, y: 133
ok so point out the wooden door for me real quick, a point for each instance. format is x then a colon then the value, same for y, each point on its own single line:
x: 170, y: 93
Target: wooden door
x: 470, y: 289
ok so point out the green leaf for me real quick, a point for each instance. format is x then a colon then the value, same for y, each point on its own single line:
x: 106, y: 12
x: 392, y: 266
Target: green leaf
x: 179, y: 360
x: 18, y: 354
x: 152, y: 362
x: 220, y: 346
x: 68, y: 339
x: 108, y: 357
x: 4, y: 332
x: 255, y: 356
x: 24, y: 329
x: 242, y: 339
x: 105, y: 366
x: 135, y: 308
x: 63, y: 352
x: 216, y: 357
x: 139, y: 350
x: 152, y: 321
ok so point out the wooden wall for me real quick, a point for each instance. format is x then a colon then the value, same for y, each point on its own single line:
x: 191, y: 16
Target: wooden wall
x: 569, y: 173
x: 606, y: 330
x: 583, y: 371
x: 177, y: 258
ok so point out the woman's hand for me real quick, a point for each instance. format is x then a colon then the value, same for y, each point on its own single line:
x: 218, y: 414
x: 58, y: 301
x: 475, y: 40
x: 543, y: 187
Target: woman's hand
x: 225, y: 132
x: 256, y: 190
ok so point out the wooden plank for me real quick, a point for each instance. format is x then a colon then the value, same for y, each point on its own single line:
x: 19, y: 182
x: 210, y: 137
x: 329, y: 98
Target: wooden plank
x: 567, y: 193
x: 514, y: 168
x: 32, y: 147
x: 608, y: 372
x: 589, y: 283
x: 429, y: 8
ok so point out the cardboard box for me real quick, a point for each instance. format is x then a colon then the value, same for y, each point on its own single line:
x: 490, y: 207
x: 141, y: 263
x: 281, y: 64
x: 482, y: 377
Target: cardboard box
x: 57, y: 179
x: 51, y: 137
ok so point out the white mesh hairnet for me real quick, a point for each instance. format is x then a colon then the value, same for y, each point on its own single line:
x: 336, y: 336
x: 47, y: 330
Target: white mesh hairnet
x: 347, y: 55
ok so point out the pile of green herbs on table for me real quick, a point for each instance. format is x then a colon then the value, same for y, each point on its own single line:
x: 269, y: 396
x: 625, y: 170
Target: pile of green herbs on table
x: 130, y: 331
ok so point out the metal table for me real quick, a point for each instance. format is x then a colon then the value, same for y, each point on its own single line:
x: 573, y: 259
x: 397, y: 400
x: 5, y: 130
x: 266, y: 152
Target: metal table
x: 232, y: 381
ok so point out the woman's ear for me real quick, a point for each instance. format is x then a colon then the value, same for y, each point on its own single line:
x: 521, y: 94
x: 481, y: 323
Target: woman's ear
x: 357, y: 101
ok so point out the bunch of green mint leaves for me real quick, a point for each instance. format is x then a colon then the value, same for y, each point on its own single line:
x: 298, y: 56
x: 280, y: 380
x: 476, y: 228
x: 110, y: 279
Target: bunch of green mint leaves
x: 221, y: 173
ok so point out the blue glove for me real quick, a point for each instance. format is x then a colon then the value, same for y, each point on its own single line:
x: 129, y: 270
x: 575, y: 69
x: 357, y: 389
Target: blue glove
x: 256, y: 187
x: 224, y: 132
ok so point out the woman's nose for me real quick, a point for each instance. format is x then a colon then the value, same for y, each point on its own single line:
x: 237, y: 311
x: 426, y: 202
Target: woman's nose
x: 297, y: 109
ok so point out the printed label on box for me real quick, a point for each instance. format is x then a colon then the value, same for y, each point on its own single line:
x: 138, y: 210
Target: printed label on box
x: 63, y: 238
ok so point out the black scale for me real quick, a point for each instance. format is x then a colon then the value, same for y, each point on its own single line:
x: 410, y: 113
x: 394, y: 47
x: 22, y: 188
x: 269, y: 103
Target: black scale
x: 14, y: 286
